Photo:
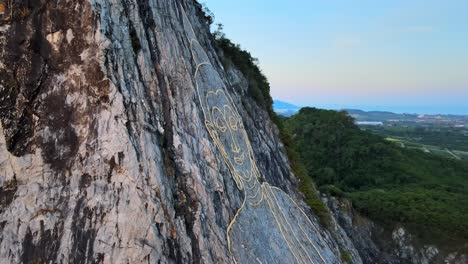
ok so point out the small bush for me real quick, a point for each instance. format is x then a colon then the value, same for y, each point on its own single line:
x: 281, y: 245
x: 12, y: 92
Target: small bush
x: 205, y: 12
x: 346, y: 256
x: 332, y: 190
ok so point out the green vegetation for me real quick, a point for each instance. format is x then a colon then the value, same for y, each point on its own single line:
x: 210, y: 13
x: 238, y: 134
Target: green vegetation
x: 259, y: 90
x: 452, y: 138
x: 390, y: 184
x: 306, y: 183
x: 436, y: 150
x: 445, y: 141
x: 205, y: 12
x: 346, y: 256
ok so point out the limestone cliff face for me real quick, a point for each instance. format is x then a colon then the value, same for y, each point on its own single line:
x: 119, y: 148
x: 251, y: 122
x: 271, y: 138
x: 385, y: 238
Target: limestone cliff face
x: 108, y: 155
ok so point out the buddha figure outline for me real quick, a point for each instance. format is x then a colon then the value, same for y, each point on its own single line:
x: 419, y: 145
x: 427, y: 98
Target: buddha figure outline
x: 279, y: 231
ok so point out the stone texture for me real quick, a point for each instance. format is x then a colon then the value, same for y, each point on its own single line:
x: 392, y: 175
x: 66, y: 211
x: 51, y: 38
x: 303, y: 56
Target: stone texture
x: 104, y: 152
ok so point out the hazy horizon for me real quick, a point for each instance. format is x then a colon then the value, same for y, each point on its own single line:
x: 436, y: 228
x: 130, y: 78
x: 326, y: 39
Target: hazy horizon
x: 399, y: 55
x: 428, y: 110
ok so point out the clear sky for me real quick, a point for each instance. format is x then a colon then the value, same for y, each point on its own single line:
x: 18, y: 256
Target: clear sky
x: 399, y: 55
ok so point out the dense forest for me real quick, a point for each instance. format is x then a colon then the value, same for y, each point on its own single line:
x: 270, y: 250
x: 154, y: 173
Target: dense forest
x: 392, y: 185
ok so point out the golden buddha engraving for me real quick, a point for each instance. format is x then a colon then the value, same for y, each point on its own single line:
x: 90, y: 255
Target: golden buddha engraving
x: 279, y: 231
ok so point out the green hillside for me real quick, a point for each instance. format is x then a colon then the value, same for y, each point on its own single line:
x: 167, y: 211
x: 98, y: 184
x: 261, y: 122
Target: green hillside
x: 390, y: 184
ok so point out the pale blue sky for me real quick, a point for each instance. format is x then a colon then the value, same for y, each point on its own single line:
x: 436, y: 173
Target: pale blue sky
x: 378, y: 54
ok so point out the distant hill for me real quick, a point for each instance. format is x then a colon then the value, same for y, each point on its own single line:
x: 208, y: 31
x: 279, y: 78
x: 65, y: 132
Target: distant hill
x: 392, y: 185
x: 385, y: 117
x: 288, y: 109
x: 277, y: 104
x: 285, y: 108
x: 360, y: 115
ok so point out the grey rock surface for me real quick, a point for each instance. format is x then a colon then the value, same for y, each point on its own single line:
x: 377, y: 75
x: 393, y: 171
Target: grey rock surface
x: 105, y: 153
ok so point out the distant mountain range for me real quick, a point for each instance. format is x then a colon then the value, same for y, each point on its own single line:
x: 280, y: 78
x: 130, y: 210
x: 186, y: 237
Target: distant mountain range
x: 288, y: 109
x: 285, y: 108
x: 361, y: 115
x: 382, y: 116
x: 277, y: 104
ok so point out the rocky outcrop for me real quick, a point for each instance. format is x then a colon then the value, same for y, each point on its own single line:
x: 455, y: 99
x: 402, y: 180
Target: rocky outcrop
x: 381, y: 245
x: 107, y: 155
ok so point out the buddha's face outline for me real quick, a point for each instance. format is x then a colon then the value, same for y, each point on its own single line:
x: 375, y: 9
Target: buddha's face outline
x: 227, y: 131
x: 222, y: 119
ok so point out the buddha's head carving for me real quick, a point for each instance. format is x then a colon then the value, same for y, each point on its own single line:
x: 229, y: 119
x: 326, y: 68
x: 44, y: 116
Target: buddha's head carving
x: 227, y: 131
x: 222, y: 119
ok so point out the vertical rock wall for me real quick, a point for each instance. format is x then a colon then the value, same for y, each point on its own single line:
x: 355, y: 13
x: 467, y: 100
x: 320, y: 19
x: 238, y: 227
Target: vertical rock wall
x: 104, y: 153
